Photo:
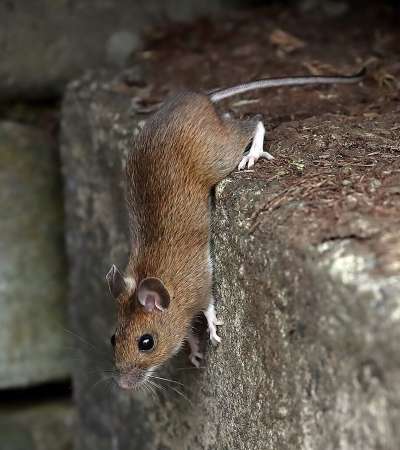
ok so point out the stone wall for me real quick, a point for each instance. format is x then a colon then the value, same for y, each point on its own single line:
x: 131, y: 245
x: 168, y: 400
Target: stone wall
x: 32, y: 274
x: 305, y: 251
x: 305, y: 248
x: 45, y: 44
x: 34, y: 344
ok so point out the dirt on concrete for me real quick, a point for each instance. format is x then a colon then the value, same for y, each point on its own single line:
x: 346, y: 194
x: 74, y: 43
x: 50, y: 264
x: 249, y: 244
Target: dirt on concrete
x: 353, y: 130
x: 304, y: 246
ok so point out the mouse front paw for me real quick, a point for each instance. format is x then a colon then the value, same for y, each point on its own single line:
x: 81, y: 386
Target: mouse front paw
x: 213, y: 322
x: 214, y: 338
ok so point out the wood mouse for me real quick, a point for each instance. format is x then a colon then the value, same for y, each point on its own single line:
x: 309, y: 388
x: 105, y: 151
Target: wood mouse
x: 184, y: 150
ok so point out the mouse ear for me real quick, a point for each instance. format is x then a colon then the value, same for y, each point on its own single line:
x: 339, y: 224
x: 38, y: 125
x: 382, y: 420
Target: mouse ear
x: 153, y: 294
x: 115, y: 280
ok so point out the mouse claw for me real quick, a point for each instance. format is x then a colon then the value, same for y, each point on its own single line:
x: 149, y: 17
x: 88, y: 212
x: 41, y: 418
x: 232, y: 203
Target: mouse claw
x: 242, y: 163
x: 214, y: 338
x: 195, y: 354
x: 213, y: 322
x: 194, y: 358
x: 256, y: 150
x: 250, y: 159
x: 267, y: 155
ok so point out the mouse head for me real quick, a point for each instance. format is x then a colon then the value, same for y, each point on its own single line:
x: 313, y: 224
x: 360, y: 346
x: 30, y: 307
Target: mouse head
x: 145, y: 336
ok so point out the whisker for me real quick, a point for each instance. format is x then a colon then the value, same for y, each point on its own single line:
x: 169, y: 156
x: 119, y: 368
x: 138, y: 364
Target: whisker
x: 157, y: 387
x: 146, y: 387
x: 85, y: 348
x: 111, y: 386
x: 190, y: 368
x: 86, y: 342
x: 93, y: 359
x: 166, y: 379
x: 98, y: 382
x: 181, y: 394
x: 111, y: 371
x: 85, y: 360
x: 152, y: 390
x: 164, y: 388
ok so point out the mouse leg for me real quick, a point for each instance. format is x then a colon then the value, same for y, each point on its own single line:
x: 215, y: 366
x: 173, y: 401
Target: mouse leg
x: 195, y: 353
x: 256, y: 150
x: 212, y: 322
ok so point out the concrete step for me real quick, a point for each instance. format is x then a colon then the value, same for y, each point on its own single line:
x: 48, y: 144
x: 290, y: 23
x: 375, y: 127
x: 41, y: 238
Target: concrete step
x: 306, y: 258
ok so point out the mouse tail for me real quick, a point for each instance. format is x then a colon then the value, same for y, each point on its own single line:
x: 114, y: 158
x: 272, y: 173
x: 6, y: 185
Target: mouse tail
x: 219, y: 94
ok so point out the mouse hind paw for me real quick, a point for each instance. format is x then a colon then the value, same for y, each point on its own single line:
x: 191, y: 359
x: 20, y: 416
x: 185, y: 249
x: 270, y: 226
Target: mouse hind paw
x: 249, y: 159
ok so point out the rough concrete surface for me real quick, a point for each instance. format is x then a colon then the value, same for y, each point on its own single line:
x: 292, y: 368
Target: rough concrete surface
x: 32, y: 260
x: 306, y: 256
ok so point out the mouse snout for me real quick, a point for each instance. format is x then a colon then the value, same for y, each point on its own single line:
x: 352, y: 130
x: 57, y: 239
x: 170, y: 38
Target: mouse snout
x: 130, y: 377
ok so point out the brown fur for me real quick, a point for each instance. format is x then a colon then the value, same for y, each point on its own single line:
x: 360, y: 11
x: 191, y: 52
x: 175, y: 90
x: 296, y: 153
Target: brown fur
x: 180, y: 154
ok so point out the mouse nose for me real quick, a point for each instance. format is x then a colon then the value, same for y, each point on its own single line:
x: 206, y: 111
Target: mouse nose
x: 125, y: 382
x: 130, y: 377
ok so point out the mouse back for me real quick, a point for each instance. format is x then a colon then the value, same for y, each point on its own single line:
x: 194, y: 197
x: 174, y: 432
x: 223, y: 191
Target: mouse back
x: 191, y: 135
x: 167, y: 192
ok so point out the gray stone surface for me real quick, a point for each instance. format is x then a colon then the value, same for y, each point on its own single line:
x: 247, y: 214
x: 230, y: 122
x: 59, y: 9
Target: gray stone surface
x: 45, y: 43
x: 37, y: 427
x: 310, y: 298
x: 32, y: 260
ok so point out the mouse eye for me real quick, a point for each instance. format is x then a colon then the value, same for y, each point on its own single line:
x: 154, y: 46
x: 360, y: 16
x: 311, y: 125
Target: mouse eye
x: 112, y: 340
x: 146, y: 343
